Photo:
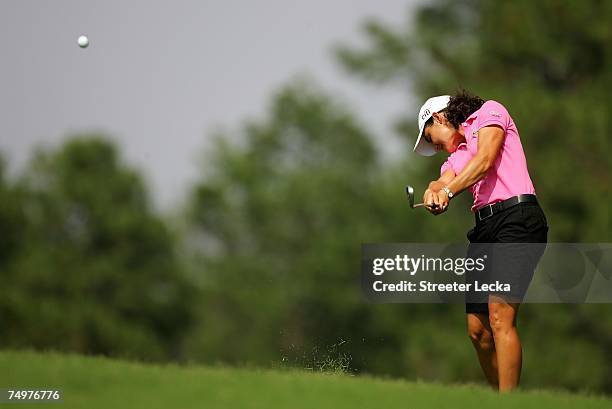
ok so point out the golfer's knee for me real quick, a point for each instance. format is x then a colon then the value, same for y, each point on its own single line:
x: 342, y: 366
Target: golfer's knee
x: 501, y: 321
x: 481, y: 337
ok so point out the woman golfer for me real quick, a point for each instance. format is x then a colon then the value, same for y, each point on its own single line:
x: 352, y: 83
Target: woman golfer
x: 487, y: 158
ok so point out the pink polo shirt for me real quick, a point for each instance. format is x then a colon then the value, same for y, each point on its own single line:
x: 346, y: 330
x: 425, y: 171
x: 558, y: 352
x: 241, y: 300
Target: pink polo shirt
x: 509, y: 175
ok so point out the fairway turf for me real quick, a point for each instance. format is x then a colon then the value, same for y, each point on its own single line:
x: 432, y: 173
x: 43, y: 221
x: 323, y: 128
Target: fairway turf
x: 95, y: 382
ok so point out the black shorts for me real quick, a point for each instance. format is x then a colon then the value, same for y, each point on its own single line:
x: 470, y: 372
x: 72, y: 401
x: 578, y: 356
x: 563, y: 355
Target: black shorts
x: 512, y: 262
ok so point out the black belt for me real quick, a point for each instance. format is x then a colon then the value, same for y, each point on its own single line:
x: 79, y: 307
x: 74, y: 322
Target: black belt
x: 489, y: 210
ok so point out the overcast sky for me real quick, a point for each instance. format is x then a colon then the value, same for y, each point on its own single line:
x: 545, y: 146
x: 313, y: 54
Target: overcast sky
x: 160, y: 75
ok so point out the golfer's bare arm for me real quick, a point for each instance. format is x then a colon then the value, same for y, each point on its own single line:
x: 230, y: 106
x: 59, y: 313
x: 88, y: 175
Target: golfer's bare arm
x: 490, y: 140
x: 444, y: 180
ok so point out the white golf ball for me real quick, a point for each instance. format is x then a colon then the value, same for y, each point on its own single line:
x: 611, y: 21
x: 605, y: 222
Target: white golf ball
x: 83, y: 41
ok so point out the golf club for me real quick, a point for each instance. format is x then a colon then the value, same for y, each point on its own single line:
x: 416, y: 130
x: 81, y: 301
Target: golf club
x: 410, y: 193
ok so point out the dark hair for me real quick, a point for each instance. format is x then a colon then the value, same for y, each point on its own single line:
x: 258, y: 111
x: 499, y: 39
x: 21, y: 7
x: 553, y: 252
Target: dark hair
x: 460, y: 106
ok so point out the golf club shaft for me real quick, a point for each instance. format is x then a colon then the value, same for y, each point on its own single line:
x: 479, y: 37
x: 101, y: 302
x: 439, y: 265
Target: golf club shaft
x: 423, y: 204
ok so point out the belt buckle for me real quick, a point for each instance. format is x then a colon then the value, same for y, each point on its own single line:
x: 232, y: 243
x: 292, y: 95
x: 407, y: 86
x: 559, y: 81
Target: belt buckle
x: 490, y: 206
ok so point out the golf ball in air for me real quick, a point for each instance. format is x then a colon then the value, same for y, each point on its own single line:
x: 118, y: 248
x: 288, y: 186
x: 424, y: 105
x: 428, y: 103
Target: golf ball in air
x: 83, y: 41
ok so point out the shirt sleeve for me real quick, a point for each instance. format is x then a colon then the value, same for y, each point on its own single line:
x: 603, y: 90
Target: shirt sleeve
x: 446, y: 166
x: 457, y: 160
x: 493, y: 113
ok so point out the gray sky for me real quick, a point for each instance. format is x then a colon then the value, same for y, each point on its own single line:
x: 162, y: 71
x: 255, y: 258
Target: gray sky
x: 158, y: 76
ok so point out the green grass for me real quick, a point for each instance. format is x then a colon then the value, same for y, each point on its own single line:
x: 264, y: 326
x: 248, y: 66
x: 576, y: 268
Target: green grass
x: 95, y: 382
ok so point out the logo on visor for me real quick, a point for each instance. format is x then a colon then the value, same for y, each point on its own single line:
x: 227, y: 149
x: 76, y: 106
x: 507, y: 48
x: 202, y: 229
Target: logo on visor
x: 426, y: 113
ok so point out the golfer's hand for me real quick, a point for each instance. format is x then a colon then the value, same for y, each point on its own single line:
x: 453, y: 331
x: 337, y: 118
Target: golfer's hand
x: 441, y: 198
x: 430, y: 198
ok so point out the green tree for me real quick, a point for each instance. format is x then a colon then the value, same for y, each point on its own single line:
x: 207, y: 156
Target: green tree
x: 11, y: 219
x: 93, y: 269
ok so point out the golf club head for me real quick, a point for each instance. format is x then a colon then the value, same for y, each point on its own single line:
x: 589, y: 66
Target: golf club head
x: 410, y: 193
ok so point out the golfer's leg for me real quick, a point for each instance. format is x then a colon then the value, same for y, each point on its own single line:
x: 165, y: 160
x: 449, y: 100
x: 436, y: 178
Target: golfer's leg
x: 481, y: 335
x: 502, y: 317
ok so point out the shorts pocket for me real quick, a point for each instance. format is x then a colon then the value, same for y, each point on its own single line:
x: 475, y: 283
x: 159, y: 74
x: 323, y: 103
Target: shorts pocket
x: 534, y: 219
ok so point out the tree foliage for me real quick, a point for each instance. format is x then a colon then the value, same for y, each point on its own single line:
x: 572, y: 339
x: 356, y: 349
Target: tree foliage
x: 89, y: 267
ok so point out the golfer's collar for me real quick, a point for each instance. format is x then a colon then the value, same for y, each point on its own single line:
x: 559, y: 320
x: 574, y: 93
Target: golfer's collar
x: 470, y: 119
